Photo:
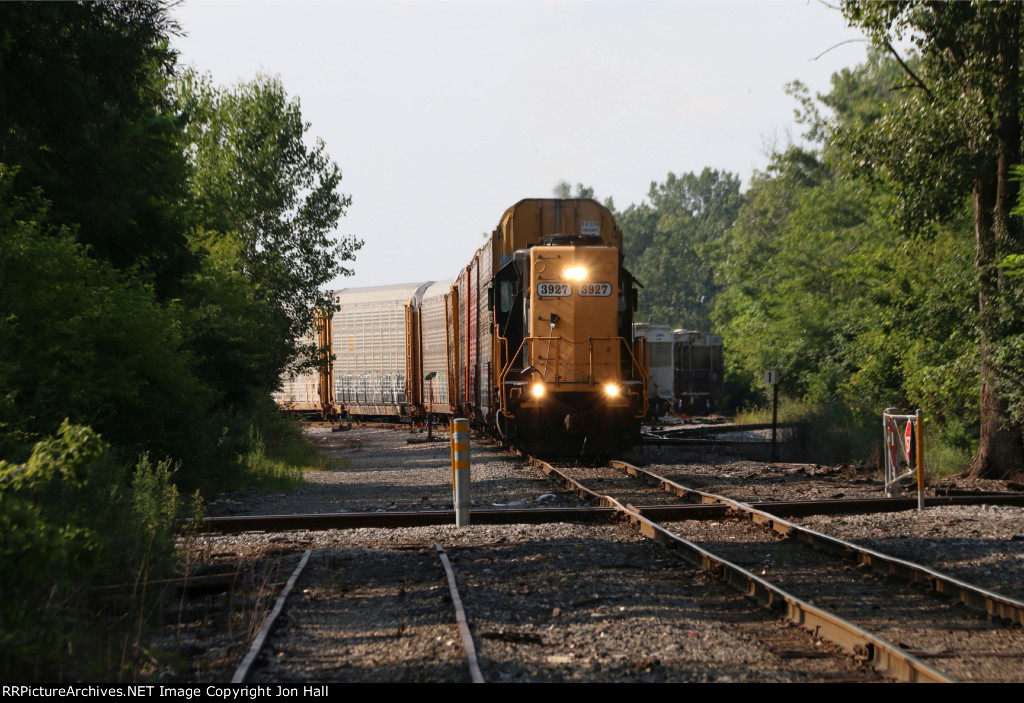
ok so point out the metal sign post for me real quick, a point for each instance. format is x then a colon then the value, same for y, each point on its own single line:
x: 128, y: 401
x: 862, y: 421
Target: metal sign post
x: 910, y: 450
x: 430, y: 413
x: 772, y: 377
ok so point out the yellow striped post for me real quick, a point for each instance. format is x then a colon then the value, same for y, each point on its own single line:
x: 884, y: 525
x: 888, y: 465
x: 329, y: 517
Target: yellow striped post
x: 460, y: 470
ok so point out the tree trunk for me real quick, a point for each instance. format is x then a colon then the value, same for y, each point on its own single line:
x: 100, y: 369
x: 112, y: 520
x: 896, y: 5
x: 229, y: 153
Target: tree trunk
x: 1000, y: 448
x: 1000, y: 451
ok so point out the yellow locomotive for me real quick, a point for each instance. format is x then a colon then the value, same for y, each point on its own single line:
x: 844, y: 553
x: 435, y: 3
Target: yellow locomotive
x: 532, y: 340
x: 570, y: 379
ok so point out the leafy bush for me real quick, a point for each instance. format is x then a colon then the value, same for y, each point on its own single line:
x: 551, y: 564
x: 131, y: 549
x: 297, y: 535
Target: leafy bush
x: 82, y: 341
x: 80, y: 530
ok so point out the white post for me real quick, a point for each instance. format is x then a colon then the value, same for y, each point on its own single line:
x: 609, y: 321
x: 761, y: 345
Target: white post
x: 889, y: 449
x: 460, y: 470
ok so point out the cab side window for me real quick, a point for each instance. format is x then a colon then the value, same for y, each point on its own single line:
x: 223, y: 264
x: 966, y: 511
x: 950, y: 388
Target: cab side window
x: 506, y: 295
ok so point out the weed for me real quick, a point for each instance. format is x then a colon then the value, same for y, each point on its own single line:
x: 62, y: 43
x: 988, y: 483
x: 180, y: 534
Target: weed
x: 945, y: 455
x: 267, y: 471
x: 83, y: 535
x: 828, y: 434
x: 834, y: 434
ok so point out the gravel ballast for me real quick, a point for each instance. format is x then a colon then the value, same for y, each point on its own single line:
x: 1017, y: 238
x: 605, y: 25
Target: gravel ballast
x: 558, y: 602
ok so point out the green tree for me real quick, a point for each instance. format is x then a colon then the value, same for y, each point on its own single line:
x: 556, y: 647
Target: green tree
x: 783, y: 272
x: 957, y: 134
x: 80, y: 340
x: 565, y: 191
x: 75, y: 518
x: 670, y: 240
x: 265, y: 198
x: 821, y: 283
x: 84, y: 117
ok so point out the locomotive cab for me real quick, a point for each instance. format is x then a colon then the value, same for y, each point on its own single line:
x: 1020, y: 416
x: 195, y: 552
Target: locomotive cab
x: 571, y: 383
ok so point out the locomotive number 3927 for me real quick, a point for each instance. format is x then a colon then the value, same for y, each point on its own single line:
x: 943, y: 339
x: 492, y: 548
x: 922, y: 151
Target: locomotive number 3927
x: 554, y: 289
x: 596, y: 290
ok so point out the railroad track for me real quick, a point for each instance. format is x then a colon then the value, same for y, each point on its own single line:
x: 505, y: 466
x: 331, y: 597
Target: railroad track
x: 667, y: 509
x: 717, y: 435
x: 539, y: 598
x: 904, y: 632
x: 317, y: 644
x: 539, y: 609
x: 784, y: 643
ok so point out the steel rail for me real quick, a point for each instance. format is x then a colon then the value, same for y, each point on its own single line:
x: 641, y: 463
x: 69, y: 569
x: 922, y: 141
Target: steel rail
x: 519, y: 516
x: 719, y: 429
x: 975, y: 597
x: 884, y: 656
x: 654, y: 441
x: 460, y: 617
x: 261, y: 637
x: 340, y: 521
x: 268, y: 623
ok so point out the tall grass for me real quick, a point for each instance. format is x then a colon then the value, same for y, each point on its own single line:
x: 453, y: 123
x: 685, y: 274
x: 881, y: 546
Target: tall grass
x: 277, y: 452
x: 82, y: 534
x: 258, y: 448
x: 829, y: 434
x: 834, y: 433
x: 947, y: 448
x: 267, y: 468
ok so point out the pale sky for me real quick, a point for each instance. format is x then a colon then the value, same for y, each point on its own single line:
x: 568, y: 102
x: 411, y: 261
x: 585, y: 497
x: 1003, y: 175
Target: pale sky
x: 443, y: 114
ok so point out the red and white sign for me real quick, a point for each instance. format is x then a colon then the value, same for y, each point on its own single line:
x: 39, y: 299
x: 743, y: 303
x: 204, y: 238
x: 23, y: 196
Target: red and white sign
x: 908, y: 437
x: 890, y: 438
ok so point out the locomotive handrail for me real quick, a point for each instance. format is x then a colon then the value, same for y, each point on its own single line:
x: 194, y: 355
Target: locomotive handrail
x: 507, y: 368
x: 503, y: 374
x: 503, y: 341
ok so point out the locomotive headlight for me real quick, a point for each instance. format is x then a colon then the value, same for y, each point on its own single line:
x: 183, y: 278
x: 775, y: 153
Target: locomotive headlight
x: 611, y: 390
x: 575, y: 273
x: 538, y: 390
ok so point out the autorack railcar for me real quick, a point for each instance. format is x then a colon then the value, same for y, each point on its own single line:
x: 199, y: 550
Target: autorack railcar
x: 310, y: 391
